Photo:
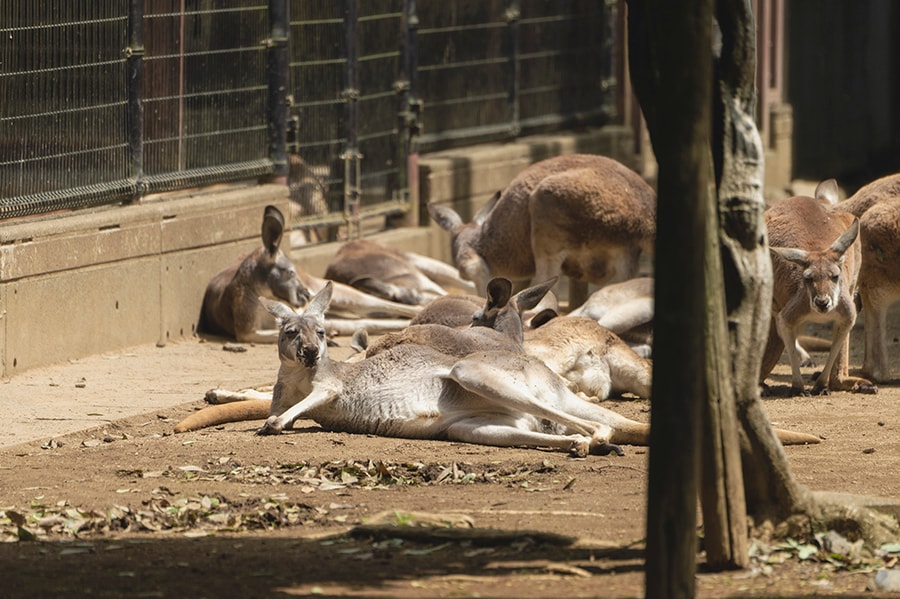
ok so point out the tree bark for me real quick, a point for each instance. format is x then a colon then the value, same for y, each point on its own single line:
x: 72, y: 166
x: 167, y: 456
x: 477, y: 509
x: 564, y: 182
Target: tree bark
x: 672, y: 64
x: 738, y: 156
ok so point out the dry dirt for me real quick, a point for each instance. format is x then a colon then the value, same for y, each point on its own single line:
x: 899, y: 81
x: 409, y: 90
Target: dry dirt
x: 121, y: 507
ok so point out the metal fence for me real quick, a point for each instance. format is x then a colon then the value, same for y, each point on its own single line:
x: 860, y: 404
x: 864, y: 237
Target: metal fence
x: 105, y: 101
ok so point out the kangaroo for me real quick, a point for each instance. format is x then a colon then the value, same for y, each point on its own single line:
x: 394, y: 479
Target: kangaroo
x: 877, y: 205
x: 498, y: 398
x: 383, y: 271
x: 497, y: 325
x: 494, y: 397
x: 813, y: 283
x: 626, y: 309
x: 592, y: 359
x: 231, y: 306
x: 588, y: 217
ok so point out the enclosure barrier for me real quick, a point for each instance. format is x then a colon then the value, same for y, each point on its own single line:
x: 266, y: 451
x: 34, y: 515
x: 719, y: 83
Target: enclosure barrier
x: 106, y: 102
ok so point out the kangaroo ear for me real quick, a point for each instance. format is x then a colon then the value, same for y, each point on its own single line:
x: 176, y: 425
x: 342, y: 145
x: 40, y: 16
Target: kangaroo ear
x: 486, y: 209
x: 319, y: 303
x: 272, y: 229
x: 445, y: 217
x: 280, y: 311
x: 795, y: 255
x: 842, y: 243
x: 499, y: 291
x: 827, y: 190
x: 531, y: 297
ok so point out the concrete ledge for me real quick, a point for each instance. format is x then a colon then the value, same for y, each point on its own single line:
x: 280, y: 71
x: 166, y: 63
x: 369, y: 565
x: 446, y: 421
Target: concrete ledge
x: 97, y: 281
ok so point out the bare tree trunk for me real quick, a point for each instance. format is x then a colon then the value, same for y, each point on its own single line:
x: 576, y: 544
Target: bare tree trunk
x: 675, y: 38
x: 722, y: 490
x: 738, y: 155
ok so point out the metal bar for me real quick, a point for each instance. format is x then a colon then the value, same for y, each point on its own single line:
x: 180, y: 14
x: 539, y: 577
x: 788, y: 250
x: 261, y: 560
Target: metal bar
x: 134, y: 67
x: 513, y: 15
x: 351, y: 154
x: 278, y: 78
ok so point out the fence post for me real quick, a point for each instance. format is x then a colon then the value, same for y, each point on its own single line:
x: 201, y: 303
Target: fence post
x: 134, y: 68
x: 409, y: 125
x: 278, y: 81
x: 351, y: 154
x: 513, y: 15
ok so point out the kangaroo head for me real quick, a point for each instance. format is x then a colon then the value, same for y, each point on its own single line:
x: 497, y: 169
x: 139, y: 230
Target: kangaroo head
x: 463, y: 240
x: 822, y: 270
x: 301, y: 337
x: 503, y: 311
x: 274, y: 269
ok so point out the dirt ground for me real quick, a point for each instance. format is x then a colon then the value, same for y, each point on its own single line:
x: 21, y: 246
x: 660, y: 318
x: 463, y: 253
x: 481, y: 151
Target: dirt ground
x: 120, y: 507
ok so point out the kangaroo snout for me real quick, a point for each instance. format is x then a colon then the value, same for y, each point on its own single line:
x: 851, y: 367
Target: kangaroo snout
x: 308, y: 355
x: 822, y: 303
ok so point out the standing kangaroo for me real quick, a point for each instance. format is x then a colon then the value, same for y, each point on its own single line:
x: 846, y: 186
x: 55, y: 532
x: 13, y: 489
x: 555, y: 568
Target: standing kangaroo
x: 588, y: 217
x: 815, y: 264
x: 231, y: 304
x: 877, y: 205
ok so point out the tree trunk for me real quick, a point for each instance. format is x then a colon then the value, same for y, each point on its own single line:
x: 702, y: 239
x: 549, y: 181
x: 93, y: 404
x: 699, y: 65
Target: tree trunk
x: 675, y: 38
x: 738, y: 156
x: 722, y: 490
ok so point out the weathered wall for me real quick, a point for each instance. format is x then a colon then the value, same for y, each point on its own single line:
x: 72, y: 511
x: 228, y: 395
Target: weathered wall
x: 101, y: 280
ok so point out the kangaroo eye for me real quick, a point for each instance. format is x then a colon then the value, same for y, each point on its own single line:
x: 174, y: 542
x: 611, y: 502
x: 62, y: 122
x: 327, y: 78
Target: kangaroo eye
x: 320, y: 332
x: 835, y: 278
x: 290, y: 331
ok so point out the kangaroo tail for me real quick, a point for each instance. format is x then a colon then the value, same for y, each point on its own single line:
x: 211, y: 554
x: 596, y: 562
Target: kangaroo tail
x: 795, y: 438
x: 630, y: 432
x: 238, y: 411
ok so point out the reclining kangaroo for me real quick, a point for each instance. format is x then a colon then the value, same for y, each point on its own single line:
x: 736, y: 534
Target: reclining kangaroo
x: 499, y: 397
x: 813, y: 283
x: 588, y: 217
x: 383, y: 271
x: 877, y: 205
x: 231, y: 306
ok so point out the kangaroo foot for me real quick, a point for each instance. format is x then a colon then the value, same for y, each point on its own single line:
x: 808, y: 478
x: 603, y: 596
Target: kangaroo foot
x: 271, y: 427
x: 606, y: 449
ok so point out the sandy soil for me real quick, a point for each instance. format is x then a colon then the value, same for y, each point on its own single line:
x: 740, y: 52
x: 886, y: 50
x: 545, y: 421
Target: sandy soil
x: 104, y: 504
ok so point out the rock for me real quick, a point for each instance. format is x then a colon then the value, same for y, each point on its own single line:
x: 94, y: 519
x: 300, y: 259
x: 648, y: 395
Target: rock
x: 885, y: 580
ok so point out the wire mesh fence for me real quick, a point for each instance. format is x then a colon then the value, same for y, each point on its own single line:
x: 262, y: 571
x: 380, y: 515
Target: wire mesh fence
x: 105, y: 101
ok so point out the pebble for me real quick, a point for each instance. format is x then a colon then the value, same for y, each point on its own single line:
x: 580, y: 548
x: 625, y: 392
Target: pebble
x: 885, y: 580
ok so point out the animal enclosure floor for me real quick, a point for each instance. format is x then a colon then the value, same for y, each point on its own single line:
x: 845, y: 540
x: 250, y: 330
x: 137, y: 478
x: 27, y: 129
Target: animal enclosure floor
x: 121, y: 507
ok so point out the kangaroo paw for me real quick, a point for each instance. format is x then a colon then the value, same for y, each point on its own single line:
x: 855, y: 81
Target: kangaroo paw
x: 271, y: 427
x: 606, y: 449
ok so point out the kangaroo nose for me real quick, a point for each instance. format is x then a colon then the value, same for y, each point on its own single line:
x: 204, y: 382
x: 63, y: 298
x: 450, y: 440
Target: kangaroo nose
x: 822, y: 303
x: 308, y: 355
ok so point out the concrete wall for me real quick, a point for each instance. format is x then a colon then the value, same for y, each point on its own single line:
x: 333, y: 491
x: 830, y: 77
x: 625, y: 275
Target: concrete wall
x: 102, y: 280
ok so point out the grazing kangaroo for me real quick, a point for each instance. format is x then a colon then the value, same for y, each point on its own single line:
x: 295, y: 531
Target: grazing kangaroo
x: 813, y: 282
x: 877, y: 205
x: 588, y: 217
x: 383, y: 271
x: 231, y: 306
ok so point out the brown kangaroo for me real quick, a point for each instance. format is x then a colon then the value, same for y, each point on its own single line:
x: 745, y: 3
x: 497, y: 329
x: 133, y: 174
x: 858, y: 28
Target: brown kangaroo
x: 877, y: 205
x: 588, y: 217
x: 815, y: 264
